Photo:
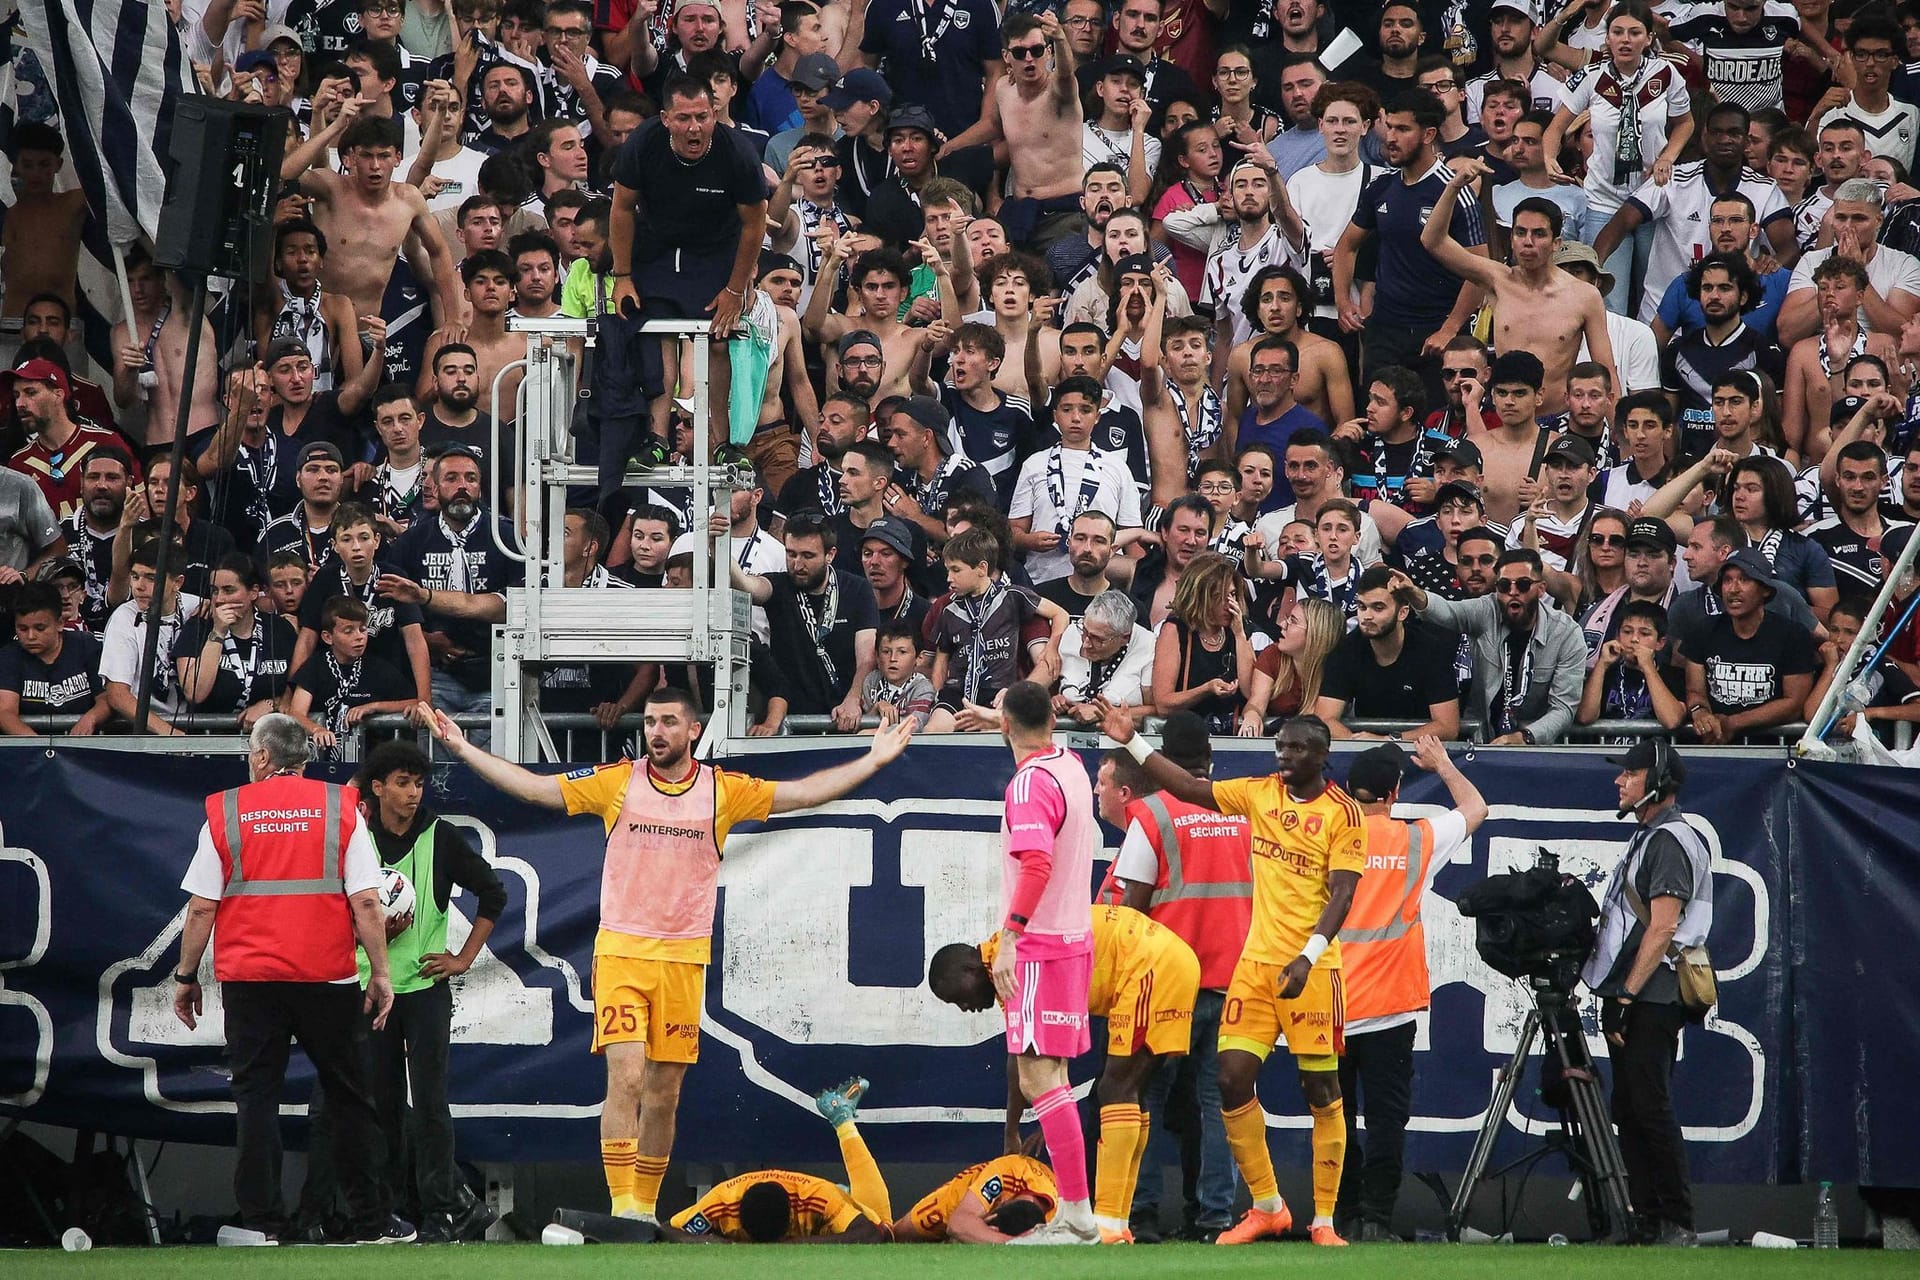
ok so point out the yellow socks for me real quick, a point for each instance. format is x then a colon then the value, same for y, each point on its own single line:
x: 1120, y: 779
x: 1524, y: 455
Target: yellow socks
x: 1247, y: 1135
x: 648, y: 1173
x: 864, y: 1183
x: 1329, y: 1156
x: 1117, y: 1163
x: 616, y: 1157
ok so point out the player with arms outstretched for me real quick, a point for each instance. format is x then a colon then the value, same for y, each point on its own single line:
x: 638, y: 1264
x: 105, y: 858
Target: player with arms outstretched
x: 667, y: 818
x: 1045, y: 959
x: 1309, y: 848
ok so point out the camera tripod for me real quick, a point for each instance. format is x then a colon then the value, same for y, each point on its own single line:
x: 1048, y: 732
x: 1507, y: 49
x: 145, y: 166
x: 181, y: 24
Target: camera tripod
x: 1585, y: 1137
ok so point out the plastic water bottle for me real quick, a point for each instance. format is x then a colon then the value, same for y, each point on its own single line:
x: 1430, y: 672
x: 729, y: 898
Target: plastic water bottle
x: 1826, y: 1221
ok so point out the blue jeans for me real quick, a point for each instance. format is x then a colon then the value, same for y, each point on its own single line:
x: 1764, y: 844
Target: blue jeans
x: 1218, y: 1179
x: 1628, y: 260
x: 454, y: 698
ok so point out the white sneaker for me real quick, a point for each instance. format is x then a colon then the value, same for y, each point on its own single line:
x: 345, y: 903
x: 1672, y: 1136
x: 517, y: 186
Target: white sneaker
x: 1060, y: 1231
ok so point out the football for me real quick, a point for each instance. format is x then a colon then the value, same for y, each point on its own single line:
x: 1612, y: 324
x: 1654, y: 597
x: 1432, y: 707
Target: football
x: 396, y: 894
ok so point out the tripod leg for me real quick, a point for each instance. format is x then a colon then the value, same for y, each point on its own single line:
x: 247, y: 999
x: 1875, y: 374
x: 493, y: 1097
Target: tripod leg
x: 1593, y: 1147
x: 1496, y: 1116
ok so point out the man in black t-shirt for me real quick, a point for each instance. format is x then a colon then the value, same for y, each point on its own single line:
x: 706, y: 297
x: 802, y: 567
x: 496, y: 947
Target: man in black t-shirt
x: 1389, y: 668
x: 1090, y: 551
x: 689, y: 214
x: 454, y: 417
x: 821, y: 621
x: 1748, y: 670
x: 48, y: 672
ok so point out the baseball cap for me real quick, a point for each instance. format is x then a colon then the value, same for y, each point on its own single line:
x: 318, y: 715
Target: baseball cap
x: 913, y: 116
x: 688, y: 4
x: 1572, y: 252
x: 256, y: 58
x: 771, y: 262
x: 1521, y: 7
x: 815, y: 71
x: 892, y: 531
x: 1123, y: 64
x: 1376, y: 772
x: 1462, y: 453
x: 1650, y: 532
x: 1844, y: 408
x: 1642, y: 754
x: 457, y: 449
x: 38, y: 369
x: 1461, y: 490
x: 65, y: 567
x: 858, y: 85
x: 280, y: 349
x: 274, y: 32
x: 928, y: 412
x: 859, y: 338
x: 1750, y: 562
x: 1134, y: 264
x: 1569, y: 447
x: 322, y: 449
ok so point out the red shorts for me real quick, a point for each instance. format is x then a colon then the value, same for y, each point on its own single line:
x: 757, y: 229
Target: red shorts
x: 1048, y: 1014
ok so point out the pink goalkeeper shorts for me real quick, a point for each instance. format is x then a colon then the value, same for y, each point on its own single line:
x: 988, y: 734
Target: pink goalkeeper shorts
x: 1048, y: 1015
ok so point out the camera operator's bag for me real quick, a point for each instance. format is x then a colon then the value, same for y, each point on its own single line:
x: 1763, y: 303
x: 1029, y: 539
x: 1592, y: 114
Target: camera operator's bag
x: 1692, y: 966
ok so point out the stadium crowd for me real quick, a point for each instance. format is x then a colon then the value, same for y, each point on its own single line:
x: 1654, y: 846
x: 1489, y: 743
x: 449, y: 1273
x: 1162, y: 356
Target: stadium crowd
x: 1484, y: 371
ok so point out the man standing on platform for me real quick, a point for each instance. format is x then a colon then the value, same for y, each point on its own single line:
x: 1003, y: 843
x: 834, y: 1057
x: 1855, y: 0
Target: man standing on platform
x: 1385, y: 953
x: 667, y: 817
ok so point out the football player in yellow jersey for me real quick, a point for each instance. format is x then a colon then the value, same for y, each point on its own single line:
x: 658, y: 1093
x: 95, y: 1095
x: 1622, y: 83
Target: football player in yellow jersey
x: 987, y: 1203
x: 666, y: 818
x: 1145, y: 981
x: 1309, y: 848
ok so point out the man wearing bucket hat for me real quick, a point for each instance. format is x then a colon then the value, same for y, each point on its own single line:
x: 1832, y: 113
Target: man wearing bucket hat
x: 1747, y: 669
x: 1636, y: 347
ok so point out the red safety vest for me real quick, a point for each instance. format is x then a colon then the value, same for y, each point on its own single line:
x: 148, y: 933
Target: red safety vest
x: 1205, y: 890
x: 1383, y: 946
x: 283, y: 916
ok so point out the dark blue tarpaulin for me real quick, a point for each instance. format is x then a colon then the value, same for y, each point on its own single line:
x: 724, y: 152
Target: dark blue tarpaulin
x: 827, y: 920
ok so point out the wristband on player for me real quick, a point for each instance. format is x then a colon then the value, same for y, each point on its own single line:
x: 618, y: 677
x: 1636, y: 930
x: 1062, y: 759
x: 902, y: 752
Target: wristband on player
x: 1137, y: 748
x: 1315, y: 948
x: 1015, y: 925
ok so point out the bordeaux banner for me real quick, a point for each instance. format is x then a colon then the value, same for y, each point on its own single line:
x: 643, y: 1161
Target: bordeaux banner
x: 828, y: 918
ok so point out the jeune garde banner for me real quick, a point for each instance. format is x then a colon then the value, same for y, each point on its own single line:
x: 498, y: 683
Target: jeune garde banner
x: 828, y: 918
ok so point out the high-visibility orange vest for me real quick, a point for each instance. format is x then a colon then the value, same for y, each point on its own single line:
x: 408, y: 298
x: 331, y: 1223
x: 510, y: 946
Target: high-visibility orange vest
x: 1383, y: 946
x: 283, y: 915
x: 1205, y: 890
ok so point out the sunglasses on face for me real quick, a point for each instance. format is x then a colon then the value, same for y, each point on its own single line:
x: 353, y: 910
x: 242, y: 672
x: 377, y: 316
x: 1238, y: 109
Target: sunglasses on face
x: 1513, y: 586
x: 1608, y: 539
x: 1026, y: 52
x: 1450, y: 375
x: 1478, y: 562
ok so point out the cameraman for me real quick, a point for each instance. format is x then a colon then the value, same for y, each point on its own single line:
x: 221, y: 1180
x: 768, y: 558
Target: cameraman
x: 1659, y: 899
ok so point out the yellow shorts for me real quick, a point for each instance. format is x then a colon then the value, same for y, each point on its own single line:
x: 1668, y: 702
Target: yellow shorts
x: 1153, y: 1009
x: 657, y: 1002
x: 1256, y: 1018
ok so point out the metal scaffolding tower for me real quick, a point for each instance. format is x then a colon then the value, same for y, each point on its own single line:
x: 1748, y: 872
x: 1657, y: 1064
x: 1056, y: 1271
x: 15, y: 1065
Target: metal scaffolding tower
x: 548, y: 622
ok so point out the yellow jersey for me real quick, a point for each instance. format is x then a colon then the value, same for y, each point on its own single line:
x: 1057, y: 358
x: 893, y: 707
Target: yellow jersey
x: 819, y: 1207
x: 602, y: 791
x: 994, y: 1181
x: 1126, y: 943
x: 1296, y: 845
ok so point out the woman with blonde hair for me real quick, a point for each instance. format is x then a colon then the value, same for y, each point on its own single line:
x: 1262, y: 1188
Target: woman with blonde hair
x: 1202, y: 661
x: 1286, y: 675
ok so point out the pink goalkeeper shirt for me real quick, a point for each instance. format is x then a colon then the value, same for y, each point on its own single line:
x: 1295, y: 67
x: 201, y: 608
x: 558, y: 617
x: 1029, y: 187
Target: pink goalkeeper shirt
x: 1050, y: 811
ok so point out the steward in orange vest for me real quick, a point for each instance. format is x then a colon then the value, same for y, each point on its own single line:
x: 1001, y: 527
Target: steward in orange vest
x: 1383, y: 949
x: 287, y: 873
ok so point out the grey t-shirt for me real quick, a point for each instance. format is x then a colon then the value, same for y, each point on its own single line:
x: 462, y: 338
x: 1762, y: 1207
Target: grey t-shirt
x: 27, y: 523
x: 1663, y: 870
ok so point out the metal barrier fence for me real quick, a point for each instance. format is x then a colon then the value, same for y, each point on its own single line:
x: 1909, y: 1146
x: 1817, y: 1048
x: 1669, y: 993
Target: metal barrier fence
x: 580, y: 736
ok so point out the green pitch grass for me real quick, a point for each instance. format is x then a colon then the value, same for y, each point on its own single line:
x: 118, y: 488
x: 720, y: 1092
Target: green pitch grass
x: 890, y: 1262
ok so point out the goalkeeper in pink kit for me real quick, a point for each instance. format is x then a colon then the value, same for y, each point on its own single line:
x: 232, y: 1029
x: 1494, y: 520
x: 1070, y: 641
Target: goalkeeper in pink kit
x: 1044, y: 962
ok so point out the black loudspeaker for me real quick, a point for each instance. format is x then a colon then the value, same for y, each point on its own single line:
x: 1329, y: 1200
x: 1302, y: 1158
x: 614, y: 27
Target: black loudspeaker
x: 218, y: 215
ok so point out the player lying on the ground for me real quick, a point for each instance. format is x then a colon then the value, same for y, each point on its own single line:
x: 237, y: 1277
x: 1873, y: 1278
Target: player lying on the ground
x: 987, y: 1203
x: 778, y: 1206
x: 1145, y: 981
